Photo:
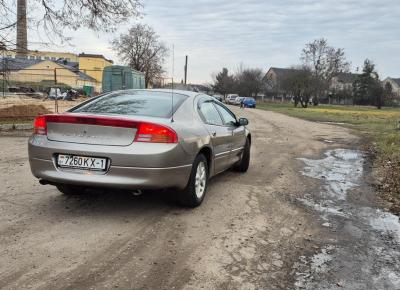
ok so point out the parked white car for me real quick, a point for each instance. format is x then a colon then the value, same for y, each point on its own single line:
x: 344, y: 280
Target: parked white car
x: 55, y: 94
x: 238, y: 101
x: 230, y: 99
x: 218, y: 97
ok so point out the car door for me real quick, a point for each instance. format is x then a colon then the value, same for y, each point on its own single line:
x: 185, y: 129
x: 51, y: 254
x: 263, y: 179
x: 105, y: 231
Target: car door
x: 220, y: 135
x: 238, y: 133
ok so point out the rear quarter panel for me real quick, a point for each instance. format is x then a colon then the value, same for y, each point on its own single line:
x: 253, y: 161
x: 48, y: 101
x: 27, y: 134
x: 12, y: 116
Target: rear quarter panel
x: 192, y: 133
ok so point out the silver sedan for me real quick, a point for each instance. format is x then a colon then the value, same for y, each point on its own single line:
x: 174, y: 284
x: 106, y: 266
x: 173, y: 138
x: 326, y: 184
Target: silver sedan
x: 140, y: 139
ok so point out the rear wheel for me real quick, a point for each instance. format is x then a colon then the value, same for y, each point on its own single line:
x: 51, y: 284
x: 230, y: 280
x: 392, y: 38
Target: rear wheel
x: 193, y: 194
x: 244, y: 162
x: 70, y: 189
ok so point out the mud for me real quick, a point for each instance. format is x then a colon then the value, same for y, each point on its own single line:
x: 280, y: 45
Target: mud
x: 364, y: 253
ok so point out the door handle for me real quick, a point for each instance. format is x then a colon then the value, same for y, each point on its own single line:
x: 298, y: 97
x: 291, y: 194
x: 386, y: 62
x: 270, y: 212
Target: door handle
x: 214, y: 133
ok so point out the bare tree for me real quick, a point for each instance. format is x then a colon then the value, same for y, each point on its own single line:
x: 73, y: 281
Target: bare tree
x: 55, y: 16
x: 249, y: 82
x: 141, y: 49
x: 388, y: 94
x: 223, y: 82
x: 324, y: 61
x: 367, y: 88
x: 301, y: 84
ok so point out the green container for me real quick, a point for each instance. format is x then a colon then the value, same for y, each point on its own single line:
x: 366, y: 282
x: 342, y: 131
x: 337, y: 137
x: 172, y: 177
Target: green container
x: 117, y: 77
x: 88, y: 90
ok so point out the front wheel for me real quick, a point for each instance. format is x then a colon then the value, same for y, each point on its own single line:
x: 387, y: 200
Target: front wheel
x: 244, y: 162
x: 193, y: 194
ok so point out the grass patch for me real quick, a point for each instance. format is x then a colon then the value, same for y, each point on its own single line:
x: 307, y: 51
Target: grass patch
x: 382, y: 125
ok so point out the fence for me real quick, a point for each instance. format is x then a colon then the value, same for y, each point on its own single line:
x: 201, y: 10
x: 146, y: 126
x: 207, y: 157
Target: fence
x: 87, y: 82
x: 26, y: 93
x: 41, y: 80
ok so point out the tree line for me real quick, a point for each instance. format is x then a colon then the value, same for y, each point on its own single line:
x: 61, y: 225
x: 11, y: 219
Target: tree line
x: 247, y: 82
x: 311, y: 80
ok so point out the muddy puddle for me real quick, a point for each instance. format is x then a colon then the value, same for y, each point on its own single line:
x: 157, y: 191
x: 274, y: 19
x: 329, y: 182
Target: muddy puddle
x: 362, y: 248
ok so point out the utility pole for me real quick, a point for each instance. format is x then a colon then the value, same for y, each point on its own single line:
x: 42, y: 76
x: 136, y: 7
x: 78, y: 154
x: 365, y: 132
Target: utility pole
x: 186, y: 66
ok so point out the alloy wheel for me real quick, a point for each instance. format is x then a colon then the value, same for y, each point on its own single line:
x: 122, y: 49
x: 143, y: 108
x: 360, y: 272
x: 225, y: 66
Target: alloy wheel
x: 201, y: 179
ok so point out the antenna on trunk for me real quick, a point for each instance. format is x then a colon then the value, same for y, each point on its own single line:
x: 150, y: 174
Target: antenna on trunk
x: 172, y: 86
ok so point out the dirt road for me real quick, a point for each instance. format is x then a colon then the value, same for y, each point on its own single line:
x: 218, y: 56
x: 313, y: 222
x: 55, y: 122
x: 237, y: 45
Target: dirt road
x: 302, y: 217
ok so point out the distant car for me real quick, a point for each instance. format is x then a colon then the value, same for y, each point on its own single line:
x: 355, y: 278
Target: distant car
x: 55, y: 94
x: 139, y: 139
x: 238, y: 101
x: 218, y: 97
x: 68, y: 95
x: 230, y: 99
x: 249, y: 103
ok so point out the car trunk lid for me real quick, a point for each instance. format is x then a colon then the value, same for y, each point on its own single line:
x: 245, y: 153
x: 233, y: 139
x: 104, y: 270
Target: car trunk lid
x: 91, y: 129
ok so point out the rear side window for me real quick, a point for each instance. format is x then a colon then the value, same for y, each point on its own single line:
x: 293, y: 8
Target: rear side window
x: 141, y: 103
x: 210, y: 114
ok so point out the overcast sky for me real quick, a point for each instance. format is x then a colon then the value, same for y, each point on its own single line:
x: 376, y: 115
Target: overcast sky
x: 263, y: 33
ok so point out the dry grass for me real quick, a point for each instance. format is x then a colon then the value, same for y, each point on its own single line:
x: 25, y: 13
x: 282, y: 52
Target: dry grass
x: 21, y: 111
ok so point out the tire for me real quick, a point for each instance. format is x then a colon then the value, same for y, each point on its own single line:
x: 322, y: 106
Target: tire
x: 244, y: 162
x: 193, y: 195
x: 70, y: 189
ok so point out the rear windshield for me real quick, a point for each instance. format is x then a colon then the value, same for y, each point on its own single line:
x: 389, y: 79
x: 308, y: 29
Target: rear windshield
x: 143, y: 103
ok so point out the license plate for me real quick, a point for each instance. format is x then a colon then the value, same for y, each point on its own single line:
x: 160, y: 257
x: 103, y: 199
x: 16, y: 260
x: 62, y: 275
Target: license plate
x: 82, y: 162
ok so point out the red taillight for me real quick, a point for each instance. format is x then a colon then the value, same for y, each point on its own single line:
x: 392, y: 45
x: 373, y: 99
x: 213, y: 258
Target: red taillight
x: 92, y: 120
x: 40, y: 125
x: 153, y: 133
x: 146, y: 132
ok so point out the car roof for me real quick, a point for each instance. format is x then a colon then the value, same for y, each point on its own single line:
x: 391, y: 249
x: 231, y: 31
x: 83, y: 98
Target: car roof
x: 190, y: 94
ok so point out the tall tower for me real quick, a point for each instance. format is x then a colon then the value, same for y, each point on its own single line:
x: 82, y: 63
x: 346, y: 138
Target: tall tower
x: 22, y: 39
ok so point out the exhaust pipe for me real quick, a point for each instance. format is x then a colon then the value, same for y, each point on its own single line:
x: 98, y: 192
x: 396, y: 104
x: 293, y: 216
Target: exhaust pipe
x: 43, y: 182
x: 137, y: 192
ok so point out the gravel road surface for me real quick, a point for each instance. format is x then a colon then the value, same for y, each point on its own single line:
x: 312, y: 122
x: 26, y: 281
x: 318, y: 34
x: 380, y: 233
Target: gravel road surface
x: 302, y: 217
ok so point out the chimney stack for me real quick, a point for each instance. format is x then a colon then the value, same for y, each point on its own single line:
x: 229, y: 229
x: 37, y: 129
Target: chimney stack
x: 22, y: 38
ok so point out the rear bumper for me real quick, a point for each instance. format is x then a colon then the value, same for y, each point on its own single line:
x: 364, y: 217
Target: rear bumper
x: 115, y: 177
x: 137, y: 166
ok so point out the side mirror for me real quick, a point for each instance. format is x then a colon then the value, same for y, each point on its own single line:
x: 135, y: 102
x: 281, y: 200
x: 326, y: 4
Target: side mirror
x: 243, y: 122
